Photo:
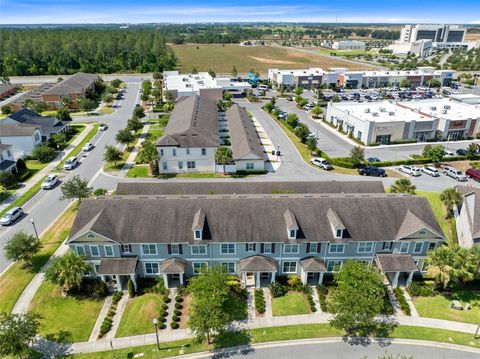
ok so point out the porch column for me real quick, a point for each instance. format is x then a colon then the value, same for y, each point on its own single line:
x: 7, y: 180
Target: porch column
x: 395, y: 280
x: 257, y: 280
x: 119, y: 283
x: 272, y: 279
x: 102, y: 277
x: 303, y: 276
x: 165, y: 280
x: 134, y: 281
x: 320, y: 277
x: 181, y: 278
x: 409, y: 279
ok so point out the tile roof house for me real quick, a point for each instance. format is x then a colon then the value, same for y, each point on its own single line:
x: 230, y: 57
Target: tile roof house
x: 48, y: 125
x: 256, y: 236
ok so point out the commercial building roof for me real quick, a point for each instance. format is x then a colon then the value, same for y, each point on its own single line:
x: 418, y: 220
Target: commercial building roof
x: 315, y: 71
x: 193, y: 123
x: 244, y: 137
x: 75, y: 84
x: 444, y: 109
x: 183, y: 83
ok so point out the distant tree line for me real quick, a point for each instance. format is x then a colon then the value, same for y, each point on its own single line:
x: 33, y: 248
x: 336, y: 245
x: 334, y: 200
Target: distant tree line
x: 41, y: 51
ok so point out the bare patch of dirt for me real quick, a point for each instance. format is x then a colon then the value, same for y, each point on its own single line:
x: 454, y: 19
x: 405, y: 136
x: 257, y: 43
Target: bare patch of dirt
x: 271, y: 61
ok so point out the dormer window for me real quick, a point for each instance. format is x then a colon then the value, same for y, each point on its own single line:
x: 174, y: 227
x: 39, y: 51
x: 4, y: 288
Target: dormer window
x: 292, y: 234
x: 336, y: 223
x: 339, y: 233
x: 198, y: 234
x: 292, y: 225
x: 198, y: 223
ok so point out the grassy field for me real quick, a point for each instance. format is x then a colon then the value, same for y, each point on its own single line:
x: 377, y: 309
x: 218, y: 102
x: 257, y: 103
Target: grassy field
x: 16, y: 278
x: 263, y: 335
x: 66, y: 319
x: 439, y: 210
x: 221, y: 58
x: 138, y: 315
x: 291, y: 304
x: 326, y: 51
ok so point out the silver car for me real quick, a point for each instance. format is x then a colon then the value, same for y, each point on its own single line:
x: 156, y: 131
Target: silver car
x: 454, y: 173
x: 50, y: 182
x: 70, y: 164
x: 322, y: 163
x: 431, y: 171
x: 11, y: 216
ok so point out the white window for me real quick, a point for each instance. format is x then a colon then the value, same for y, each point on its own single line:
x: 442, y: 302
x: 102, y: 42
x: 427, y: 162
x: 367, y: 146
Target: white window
x: 80, y: 250
x: 432, y: 246
x: 197, y: 266
x: 175, y: 249
x: 174, y: 151
x: 94, y: 251
x: 250, y: 166
x: 151, y: 268
x: 289, y: 267
x: 292, y: 234
x: 108, y: 251
x: 418, y: 247
x: 404, y: 247
x: 336, y: 248
x: 191, y: 164
x: 334, y: 266
x: 229, y: 267
x: 127, y: 248
x: 149, y: 249
x: 198, y: 234
x: 365, y: 247
x: 227, y: 248
x: 198, y: 250
x: 267, y: 248
x: 339, y: 233
x: 250, y: 247
x: 290, y: 248
x: 161, y: 152
x: 180, y: 165
x: 204, y: 151
x: 164, y: 166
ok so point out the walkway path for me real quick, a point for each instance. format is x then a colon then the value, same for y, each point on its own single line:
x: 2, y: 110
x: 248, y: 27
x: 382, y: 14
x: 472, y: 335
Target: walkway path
x: 413, y: 310
x: 130, y: 162
x: 43, y: 172
x: 117, y: 317
x: 101, y: 317
x: 251, y: 303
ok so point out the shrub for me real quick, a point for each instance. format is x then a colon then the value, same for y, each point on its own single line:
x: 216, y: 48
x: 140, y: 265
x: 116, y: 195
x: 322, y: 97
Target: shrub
x: 111, y: 313
x: 166, y: 298
x: 259, y: 301
x: 162, y: 313
x: 293, y: 280
x: 282, y: 279
x: 116, y: 297
x: 43, y: 153
x: 131, y: 289
x: 175, y: 318
x: 177, y: 312
x: 21, y: 165
x: 421, y: 289
x: 277, y: 289
x: 402, y: 301
x: 100, y: 192
x: 174, y: 325
x: 178, y: 299
x: 322, y: 296
x: 8, y: 179
x: 178, y: 306
x: 164, y: 306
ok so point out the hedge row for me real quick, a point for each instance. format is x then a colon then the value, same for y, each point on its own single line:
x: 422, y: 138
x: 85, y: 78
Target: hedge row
x: 308, y: 293
x: 177, y: 313
x: 259, y: 301
x: 107, y: 322
x: 402, y: 301
x: 322, y: 292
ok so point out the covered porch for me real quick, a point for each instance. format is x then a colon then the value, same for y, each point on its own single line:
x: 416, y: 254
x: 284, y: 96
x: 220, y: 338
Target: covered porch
x: 116, y: 272
x: 173, y: 272
x: 312, y: 270
x: 257, y: 271
x: 398, y: 268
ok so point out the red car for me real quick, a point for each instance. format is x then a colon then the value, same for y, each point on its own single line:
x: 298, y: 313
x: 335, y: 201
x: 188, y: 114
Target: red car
x: 473, y: 173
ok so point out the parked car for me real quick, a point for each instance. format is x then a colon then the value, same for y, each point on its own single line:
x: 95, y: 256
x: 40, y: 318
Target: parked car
x: 454, y: 173
x: 11, y: 216
x: 50, y: 182
x: 461, y: 152
x: 431, y: 171
x: 88, y: 147
x: 411, y: 170
x: 322, y: 163
x: 309, y: 106
x: 448, y: 153
x: 70, y: 164
x: 372, y: 171
x: 373, y: 159
x: 473, y: 173
x: 102, y: 127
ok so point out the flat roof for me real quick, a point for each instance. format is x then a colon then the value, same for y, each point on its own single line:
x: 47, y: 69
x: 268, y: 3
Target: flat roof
x: 444, y: 109
x: 300, y: 72
x: 202, y: 80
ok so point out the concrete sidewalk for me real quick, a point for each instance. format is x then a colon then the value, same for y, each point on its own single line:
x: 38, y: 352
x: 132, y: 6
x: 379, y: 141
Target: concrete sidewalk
x: 44, y: 172
x: 130, y: 162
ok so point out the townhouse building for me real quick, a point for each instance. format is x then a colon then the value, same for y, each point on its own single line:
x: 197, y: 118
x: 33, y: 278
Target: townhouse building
x: 467, y: 217
x: 254, y: 236
x: 22, y: 137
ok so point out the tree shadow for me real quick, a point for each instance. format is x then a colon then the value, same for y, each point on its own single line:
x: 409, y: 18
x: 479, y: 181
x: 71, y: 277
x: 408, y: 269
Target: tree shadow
x: 232, y: 342
x: 54, y: 345
x: 379, y: 332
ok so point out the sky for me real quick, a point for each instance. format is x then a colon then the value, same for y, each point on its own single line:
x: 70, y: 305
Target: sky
x: 189, y: 11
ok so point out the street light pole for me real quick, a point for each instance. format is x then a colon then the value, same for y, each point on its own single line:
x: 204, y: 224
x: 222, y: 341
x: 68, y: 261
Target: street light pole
x: 34, y: 227
x: 155, y: 323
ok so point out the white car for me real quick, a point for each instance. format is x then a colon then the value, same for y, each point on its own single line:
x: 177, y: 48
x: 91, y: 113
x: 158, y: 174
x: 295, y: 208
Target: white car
x: 454, y: 173
x: 70, y: 164
x: 11, y: 216
x: 449, y: 153
x: 431, y: 171
x: 88, y: 147
x: 411, y: 170
x: 322, y: 163
x: 50, y: 182
x: 102, y: 127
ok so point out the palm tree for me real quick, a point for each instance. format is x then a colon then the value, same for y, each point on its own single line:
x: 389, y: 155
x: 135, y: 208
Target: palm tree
x: 465, y: 265
x: 403, y: 185
x: 440, y: 265
x: 112, y: 154
x: 223, y: 155
x: 149, y: 154
x: 450, y: 198
x: 67, y: 271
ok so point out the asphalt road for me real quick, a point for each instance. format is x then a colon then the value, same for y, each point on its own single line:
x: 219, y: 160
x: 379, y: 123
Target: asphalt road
x: 342, y: 350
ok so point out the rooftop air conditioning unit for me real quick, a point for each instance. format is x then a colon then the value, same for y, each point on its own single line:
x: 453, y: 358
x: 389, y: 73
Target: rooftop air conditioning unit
x: 383, y: 109
x: 375, y: 114
x: 433, y: 108
x: 391, y: 113
x: 447, y: 107
x: 367, y: 110
x: 444, y: 111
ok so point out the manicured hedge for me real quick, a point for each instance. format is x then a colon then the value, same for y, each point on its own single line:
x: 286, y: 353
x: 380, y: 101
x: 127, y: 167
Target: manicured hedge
x: 322, y: 292
x: 259, y: 301
x: 402, y: 301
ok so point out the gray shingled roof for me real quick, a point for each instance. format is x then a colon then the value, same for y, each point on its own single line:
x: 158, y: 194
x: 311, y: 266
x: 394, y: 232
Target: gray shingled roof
x: 193, y: 123
x: 34, y: 94
x: 313, y: 264
x: 49, y: 125
x: 173, y: 266
x: 250, y: 218
x: 122, y: 266
x: 389, y: 262
x: 77, y: 83
x: 475, y: 219
x: 6, y: 87
x: 6, y: 164
x: 244, y: 138
x: 165, y: 188
x: 258, y: 264
x: 16, y: 129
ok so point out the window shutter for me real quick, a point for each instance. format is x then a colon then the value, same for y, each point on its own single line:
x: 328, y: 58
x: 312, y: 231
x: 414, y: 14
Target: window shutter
x: 273, y: 248
x: 254, y: 247
x: 308, y: 247
x: 169, y: 248
x: 246, y: 247
x: 262, y: 247
x: 180, y: 249
x: 319, y: 247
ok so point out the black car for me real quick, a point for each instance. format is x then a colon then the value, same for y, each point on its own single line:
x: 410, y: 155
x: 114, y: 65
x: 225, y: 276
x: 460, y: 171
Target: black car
x: 373, y: 159
x: 372, y: 171
x: 461, y: 152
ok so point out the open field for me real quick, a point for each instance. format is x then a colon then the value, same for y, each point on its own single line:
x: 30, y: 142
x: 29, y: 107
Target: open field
x: 221, y: 58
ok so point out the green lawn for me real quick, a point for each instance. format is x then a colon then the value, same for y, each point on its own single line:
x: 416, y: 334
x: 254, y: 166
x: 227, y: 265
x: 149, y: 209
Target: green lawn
x: 438, y: 306
x: 138, y: 171
x: 112, y: 167
x: 138, y: 315
x: 272, y: 334
x: 108, y: 110
x: 76, y: 150
x: 154, y: 132
x: 439, y: 210
x: 290, y: 304
x: 25, y: 197
x: 71, y: 318
x: 16, y: 278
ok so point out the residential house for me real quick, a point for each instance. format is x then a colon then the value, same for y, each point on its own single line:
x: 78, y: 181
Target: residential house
x: 33, y: 95
x: 22, y: 137
x: 254, y: 236
x: 467, y: 217
x: 49, y: 125
x: 7, y: 90
x: 7, y: 161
